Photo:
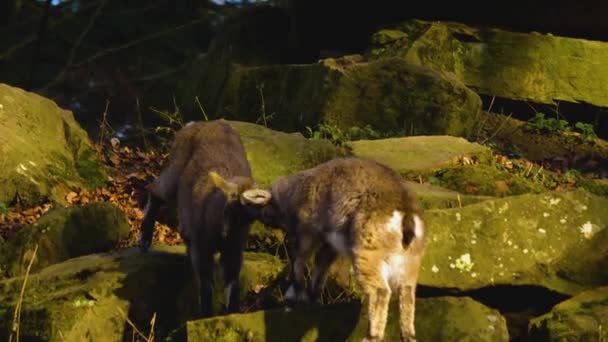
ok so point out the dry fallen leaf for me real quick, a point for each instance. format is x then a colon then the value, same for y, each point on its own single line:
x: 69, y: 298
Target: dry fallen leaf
x: 115, y: 143
x: 70, y: 197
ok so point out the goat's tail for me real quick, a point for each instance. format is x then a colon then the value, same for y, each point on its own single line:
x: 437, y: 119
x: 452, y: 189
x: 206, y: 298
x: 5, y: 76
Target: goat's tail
x: 413, y: 229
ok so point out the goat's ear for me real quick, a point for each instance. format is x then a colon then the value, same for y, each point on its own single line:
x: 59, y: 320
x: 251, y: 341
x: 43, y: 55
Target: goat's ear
x: 228, y: 188
x: 257, y: 197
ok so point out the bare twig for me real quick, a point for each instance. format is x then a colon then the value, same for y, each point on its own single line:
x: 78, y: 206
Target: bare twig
x: 152, y: 322
x: 263, y: 104
x: 126, y: 318
x: 265, y: 118
x: 537, y: 172
x: 25, y: 42
x: 483, y: 120
x: 70, y: 59
x: 141, y: 124
x: 498, y: 129
x: 532, y: 107
x: 137, y: 41
x: 491, y: 103
x: 32, y: 38
x: 39, y: 37
x: 201, y: 107
x: 158, y: 75
x: 102, y: 126
x: 17, y: 314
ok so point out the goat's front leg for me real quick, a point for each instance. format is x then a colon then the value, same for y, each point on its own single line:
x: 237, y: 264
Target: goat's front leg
x: 298, y: 256
x: 324, y: 258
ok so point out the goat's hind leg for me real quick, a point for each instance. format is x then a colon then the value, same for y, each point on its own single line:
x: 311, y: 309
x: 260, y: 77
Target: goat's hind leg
x: 160, y: 192
x: 407, y: 298
x: 377, y: 295
x: 147, y: 226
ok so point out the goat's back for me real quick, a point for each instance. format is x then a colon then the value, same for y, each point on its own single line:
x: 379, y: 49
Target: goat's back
x: 333, y: 192
x: 210, y: 146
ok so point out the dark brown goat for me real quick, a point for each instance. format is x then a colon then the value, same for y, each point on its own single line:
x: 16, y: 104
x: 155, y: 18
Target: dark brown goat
x: 362, y: 209
x: 209, y: 176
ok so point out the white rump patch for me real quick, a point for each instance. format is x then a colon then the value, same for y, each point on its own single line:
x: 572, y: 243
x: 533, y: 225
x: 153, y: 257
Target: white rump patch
x: 392, y: 270
x: 395, y: 221
x: 418, y: 226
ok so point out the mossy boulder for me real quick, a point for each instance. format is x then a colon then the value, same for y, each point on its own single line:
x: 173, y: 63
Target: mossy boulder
x: 486, y: 180
x: 595, y: 186
x: 253, y: 36
x: 583, y: 317
x: 387, y: 94
x: 555, y: 240
x: 435, y: 197
x: 43, y: 150
x: 421, y: 154
x: 534, y: 67
x: 272, y: 154
x: 437, y: 319
x: 511, y: 134
x: 64, y: 233
x: 90, y: 297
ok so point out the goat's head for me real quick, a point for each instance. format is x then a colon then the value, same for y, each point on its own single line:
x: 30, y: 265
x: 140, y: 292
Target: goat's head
x: 244, y: 201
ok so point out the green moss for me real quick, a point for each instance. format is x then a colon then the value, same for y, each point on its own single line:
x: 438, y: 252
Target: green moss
x: 511, y: 134
x: 580, y: 318
x: 544, y: 68
x: 434, y: 197
x: 343, y: 93
x: 437, y: 319
x: 81, y: 298
x: 273, y: 153
x: 45, y: 151
x: 402, y: 96
x: 65, y: 233
x: 555, y: 240
x: 444, y: 319
x: 294, y: 96
x: 595, y: 186
x: 486, y: 180
x: 420, y: 154
x: 387, y: 36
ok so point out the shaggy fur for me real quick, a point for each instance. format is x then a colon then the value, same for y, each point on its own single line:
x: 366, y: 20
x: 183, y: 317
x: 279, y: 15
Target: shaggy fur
x: 362, y: 209
x: 212, y: 218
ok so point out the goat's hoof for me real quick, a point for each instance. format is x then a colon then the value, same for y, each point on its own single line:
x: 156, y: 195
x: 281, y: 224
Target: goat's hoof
x: 144, y: 245
x: 408, y: 338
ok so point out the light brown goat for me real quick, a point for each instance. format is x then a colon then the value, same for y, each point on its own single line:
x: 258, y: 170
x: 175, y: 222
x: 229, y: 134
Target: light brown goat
x: 360, y: 208
x: 209, y: 176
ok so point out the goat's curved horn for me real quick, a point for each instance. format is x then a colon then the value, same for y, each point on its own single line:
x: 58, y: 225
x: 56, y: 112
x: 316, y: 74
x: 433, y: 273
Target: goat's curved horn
x: 256, y: 196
